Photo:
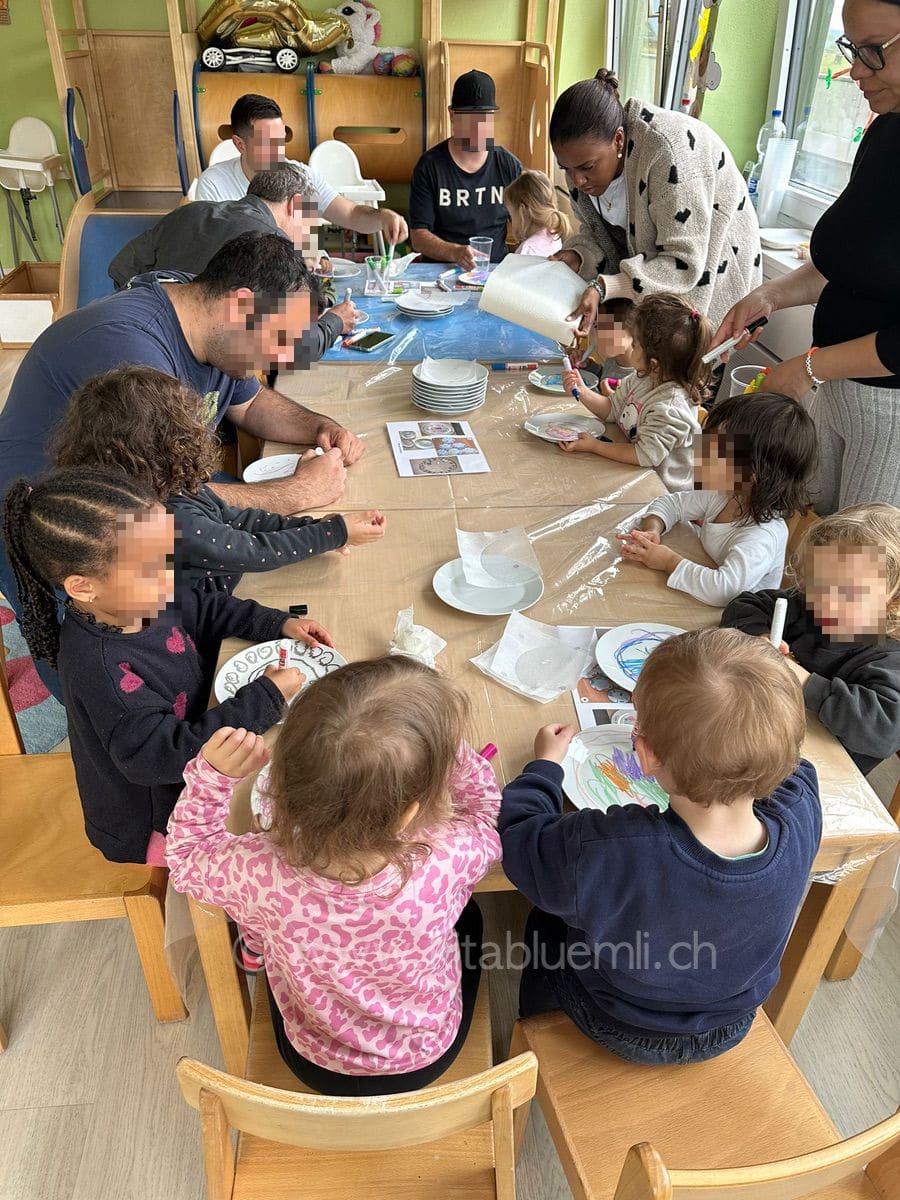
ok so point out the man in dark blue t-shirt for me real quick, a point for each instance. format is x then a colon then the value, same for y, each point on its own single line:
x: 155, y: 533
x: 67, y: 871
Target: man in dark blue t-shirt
x: 457, y: 186
x: 245, y: 312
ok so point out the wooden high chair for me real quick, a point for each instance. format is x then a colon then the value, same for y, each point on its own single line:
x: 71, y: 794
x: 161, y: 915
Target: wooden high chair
x: 748, y: 1119
x: 296, y: 1145
x: 50, y: 871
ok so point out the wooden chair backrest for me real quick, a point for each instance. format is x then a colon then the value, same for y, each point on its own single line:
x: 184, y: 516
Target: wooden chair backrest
x: 10, y: 736
x: 348, y: 1124
x: 876, y: 1150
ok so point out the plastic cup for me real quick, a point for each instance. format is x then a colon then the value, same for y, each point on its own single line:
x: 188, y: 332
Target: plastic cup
x: 375, y: 274
x: 740, y: 378
x: 481, y: 249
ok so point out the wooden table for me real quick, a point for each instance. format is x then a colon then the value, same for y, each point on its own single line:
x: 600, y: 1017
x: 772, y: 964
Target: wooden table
x: 571, y: 506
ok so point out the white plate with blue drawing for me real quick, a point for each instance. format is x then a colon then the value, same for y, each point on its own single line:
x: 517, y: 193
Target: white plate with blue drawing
x: 623, y: 650
x: 549, y: 379
x: 601, y: 770
x: 247, y: 665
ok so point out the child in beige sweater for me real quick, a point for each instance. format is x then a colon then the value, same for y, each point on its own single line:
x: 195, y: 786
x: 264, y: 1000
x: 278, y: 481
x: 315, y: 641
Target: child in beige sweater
x: 656, y: 405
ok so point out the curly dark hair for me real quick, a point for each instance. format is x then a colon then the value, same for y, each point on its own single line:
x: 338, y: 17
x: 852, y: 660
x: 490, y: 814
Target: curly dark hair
x: 143, y: 423
x: 66, y: 524
x: 772, y: 442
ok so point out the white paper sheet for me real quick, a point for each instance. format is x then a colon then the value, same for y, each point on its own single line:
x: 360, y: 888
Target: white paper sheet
x: 536, y: 660
x: 436, y: 447
x: 535, y: 293
x: 503, y: 558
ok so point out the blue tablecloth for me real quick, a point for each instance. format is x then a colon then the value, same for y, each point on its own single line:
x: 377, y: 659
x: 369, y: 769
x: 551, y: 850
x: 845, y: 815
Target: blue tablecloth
x: 465, y: 333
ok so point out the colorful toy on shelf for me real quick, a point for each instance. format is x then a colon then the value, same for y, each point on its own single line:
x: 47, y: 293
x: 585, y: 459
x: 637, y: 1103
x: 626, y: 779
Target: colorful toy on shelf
x: 260, y: 33
x: 357, y: 53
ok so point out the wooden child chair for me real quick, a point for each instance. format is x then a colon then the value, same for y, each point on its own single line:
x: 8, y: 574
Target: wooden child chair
x: 51, y: 873
x: 749, y: 1118
x: 295, y: 1145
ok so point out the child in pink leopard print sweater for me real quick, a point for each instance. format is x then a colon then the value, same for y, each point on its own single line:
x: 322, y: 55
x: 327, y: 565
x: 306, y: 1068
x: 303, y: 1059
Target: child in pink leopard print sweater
x: 380, y: 820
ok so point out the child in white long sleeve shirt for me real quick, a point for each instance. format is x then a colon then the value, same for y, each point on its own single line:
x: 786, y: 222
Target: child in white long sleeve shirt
x: 655, y: 406
x: 756, y: 456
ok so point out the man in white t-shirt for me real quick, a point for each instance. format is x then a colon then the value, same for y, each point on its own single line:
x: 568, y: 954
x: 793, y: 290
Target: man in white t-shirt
x: 258, y: 131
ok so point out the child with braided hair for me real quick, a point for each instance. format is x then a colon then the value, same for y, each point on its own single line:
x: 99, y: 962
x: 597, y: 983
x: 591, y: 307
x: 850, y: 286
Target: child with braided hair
x: 135, y: 667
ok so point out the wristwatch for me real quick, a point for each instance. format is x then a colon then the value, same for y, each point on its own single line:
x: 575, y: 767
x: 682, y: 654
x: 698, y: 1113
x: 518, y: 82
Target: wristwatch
x: 598, y: 283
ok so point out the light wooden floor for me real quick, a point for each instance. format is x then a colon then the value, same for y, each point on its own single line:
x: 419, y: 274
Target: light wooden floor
x: 89, y: 1108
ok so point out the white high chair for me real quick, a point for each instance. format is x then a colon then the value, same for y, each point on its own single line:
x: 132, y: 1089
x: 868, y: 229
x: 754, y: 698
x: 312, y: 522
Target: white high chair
x: 223, y: 151
x: 340, y: 166
x: 29, y: 164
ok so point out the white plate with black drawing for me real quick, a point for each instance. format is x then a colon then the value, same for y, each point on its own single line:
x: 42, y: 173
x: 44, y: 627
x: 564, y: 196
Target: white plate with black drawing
x: 549, y: 379
x: 622, y: 651
x: 562, y: 426
x: 247, y: 665
x: 275, y: 466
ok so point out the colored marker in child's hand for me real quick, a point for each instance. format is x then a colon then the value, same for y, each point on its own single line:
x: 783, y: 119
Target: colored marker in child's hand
x: 571, y: 387
x: 282, y: 657
x: 776, y: 630
x: 488, y: 751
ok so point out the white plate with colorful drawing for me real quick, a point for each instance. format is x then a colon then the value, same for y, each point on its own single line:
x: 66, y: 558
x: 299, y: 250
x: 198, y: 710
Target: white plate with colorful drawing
x: 562, y: 426
x: 622, y: 651
x: 549, y: 379
x: 247, y: 665
x: 601, y: 770
x: 339, y: 268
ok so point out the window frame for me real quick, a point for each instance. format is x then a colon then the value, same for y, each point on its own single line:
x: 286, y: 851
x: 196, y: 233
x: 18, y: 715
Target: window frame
x: 678, y: 19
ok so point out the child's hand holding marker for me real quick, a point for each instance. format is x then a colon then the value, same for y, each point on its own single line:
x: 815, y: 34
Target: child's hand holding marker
x: 572, y: 381
x: 289, y: 681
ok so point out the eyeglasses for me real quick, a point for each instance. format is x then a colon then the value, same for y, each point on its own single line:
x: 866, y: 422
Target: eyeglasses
x: 870, y: 56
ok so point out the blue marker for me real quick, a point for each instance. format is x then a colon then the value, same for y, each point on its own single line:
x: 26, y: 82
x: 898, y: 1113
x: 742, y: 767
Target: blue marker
x: 567, y: 363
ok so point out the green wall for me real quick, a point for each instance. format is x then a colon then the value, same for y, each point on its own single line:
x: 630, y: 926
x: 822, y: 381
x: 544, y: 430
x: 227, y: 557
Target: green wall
x: 744, y: 46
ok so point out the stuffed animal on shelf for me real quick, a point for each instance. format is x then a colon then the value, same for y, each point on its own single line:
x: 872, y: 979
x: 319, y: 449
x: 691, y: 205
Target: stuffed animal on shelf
x: 358, y: 54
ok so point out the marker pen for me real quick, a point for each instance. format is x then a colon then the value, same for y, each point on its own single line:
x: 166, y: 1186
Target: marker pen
x: 567, y: 363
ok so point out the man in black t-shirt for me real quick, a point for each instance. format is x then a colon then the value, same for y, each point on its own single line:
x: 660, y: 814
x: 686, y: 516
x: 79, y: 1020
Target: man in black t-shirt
x: 457, y: 186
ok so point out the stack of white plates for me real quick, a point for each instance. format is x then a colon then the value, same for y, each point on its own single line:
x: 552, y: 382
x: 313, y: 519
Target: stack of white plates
x: 449, y: 385
x: 414, y: 304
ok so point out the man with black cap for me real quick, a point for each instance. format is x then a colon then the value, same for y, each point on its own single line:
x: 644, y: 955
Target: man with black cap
x: 457, y: 186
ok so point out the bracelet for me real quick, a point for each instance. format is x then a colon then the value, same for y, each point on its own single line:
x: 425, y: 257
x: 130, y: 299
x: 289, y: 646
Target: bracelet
x: 599, y: 286
x: 812, y: 379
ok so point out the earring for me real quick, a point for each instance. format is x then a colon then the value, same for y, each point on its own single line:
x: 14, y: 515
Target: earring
x: 620, y: 154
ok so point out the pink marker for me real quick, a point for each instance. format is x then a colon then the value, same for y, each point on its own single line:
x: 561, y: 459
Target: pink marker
x: 282, y: 657
x: 488, y: 751
x: 612, y: 383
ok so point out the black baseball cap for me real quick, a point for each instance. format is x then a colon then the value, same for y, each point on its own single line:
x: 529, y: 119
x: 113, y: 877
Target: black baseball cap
x: 474, y: 92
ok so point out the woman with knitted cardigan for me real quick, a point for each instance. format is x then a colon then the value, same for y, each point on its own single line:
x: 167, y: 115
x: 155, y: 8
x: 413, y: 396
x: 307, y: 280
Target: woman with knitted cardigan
x: 663, y: 207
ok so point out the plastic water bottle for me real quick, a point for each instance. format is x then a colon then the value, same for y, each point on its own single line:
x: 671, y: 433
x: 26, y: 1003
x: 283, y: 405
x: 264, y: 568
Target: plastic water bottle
x: 801, y: 167
x: 773, y: 128
x: 753, y: 171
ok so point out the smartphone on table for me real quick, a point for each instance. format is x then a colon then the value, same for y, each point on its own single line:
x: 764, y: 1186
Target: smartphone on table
x: 372, y: 341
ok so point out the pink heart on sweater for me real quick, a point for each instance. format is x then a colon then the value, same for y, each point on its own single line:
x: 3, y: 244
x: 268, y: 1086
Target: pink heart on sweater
x: 129, y: 681
x: 175, y: 642
x: 179, y: 705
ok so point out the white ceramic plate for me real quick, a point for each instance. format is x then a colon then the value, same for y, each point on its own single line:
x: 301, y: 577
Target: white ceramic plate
x: 276, y: 466
x: 450, y: 584
x: 341, y: 268
x: 450, y: 372
x: 601, y: 770
x: 472, y: 277
x: 415, y: 304
x: 562, y: 426
x: 249, y: 664
x: 622, y: 651
x: 549, y: 379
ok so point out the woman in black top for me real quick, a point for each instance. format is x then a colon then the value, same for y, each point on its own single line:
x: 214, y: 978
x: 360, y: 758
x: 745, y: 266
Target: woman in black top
x: 854, y: 281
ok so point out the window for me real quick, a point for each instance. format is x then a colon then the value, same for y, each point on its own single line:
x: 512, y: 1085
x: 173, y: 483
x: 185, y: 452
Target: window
x: 824, y: 109
x: 647, y: 47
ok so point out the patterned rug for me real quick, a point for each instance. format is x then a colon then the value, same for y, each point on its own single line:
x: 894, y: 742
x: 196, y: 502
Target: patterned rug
x: 41, y: 718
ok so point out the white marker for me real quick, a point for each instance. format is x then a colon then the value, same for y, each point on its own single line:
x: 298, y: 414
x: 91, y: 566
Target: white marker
x: 318, y: 450
x: 724, y: 347
x: 348, y: 294
x: 776, y: 632
x: 567, y: 363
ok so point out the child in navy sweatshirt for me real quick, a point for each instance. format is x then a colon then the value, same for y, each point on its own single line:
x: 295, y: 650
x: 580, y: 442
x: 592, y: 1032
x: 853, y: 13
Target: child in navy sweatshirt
x: 135, y: 662
x: 150, y: 426
x: 841, y: 628
x: 660, y: 932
